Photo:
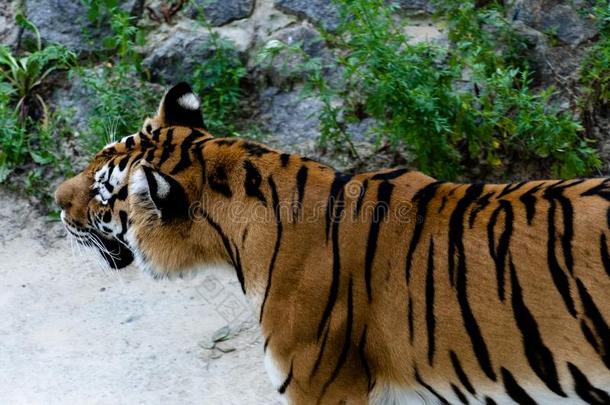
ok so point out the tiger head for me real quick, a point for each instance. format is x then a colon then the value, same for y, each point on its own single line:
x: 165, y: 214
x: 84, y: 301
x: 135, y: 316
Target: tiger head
x: 138, y: 191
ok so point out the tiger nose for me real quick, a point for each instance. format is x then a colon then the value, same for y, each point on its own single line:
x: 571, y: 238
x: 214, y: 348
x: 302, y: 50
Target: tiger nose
x: 63, y: 196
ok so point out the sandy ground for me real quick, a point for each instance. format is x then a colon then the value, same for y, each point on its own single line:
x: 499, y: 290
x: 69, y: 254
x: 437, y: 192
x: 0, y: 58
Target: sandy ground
x: 73, y: 334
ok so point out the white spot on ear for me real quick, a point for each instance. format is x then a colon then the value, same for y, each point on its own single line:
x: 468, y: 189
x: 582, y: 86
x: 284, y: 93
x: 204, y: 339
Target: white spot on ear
x: 189, y: 101
x: 162, y: 185
x: 138, y: 183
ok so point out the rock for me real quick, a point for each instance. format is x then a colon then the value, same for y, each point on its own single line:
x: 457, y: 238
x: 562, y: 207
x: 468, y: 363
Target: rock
x: 221, y: 12
x: 8, y: 28
x: 75, y: 101
x: 286, y: 68
x: 66, y: 23
x: 326, y: 13
x: 552, y: 65
x: 364, y: 131
x: 564, y: 21
x: 177, y: 56
x: 292, y: 120
x: 321, y: 12
x: 426, y: 6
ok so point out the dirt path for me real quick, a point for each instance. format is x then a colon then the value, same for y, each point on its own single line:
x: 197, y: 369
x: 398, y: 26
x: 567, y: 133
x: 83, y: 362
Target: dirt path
x: 71, y: 333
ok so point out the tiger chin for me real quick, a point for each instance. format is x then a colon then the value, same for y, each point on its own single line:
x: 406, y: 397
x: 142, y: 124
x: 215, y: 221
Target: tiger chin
x: 387, y: 287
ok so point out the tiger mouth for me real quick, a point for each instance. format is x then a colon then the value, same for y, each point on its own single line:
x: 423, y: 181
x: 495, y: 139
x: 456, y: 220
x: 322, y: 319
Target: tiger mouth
x: 116, y: 254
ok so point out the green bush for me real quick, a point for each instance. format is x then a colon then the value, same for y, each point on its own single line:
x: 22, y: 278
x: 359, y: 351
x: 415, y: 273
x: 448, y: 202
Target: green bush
x: 218, y: 80
x: 595, y: 69
x: 30, y: 131
x: 121, y: 101
x: 414, y: 92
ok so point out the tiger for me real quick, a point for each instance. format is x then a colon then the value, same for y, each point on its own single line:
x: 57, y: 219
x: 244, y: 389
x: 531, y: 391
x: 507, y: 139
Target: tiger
x: 387, y: 287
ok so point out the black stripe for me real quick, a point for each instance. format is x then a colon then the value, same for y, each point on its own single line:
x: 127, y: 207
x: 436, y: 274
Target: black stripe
x: 363, y: 360
x: 363, y: 187
x: 429, y: 388
x: 254, y: 149
x: 603, y: 249
x: 384, y: 197
x: 123, y: 162
x: 219, y: 181
x: 599, y: 324
x: 459, y: 371
x: 185, y: 152
x: 168, y: 146
x: 286, y: 382
x: 456, y: 248
x: 278, y: 239
x: 489, y: 401
x: 284, y: 158
x: 456, y: 228
x: 558, y: 275
x: 130, y: 142
x: 227, y: 246
x: 145, y: 142
x: 430, y: 319
x: 150, y: 155
x: 442, y: 205
x: 422, y: 198
x: 253, y: 182
x: 556, y: 193
x: 266, y: 343
x: 601, y: 190
x: 585, y: 390
x: 389, y: 175
x: 529, y: 200
x: 538, y: 355
x: 481, y: 204
x: 318, y: 361
x: 499, y: 255
x: 410, y: 320
x: 337, y: 202
x: 509, y: 188
x: 301, y: 183
x: 514, y: 390
x: 335, y: 198
x: 348, y: 338
x: 459, y: 394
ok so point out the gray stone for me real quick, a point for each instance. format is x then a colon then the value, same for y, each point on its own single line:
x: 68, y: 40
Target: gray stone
x: 292, y: 120
x: 178, y: 56
x: 366, y: 130
x: 66, y: 23
x: 321, y: 12
x: 8, y: 28
x: 286, y: 68
x: 221, y: 12
x: 325, y: 13
x: 565, y: 21
x: 426, y: 6
x: 75, y: 101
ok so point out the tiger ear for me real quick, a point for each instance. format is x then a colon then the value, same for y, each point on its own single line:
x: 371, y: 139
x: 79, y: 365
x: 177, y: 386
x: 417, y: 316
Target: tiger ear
x: 180, y: 107
x: 154, y: 190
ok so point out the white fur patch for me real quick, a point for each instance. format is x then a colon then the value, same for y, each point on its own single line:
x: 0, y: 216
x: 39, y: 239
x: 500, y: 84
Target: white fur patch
x: 110, y: 145
x: 162, y: 185
x: 394, y: 395
x: 189, y: 101
x: 275, y: 373
x: 138, y: 183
